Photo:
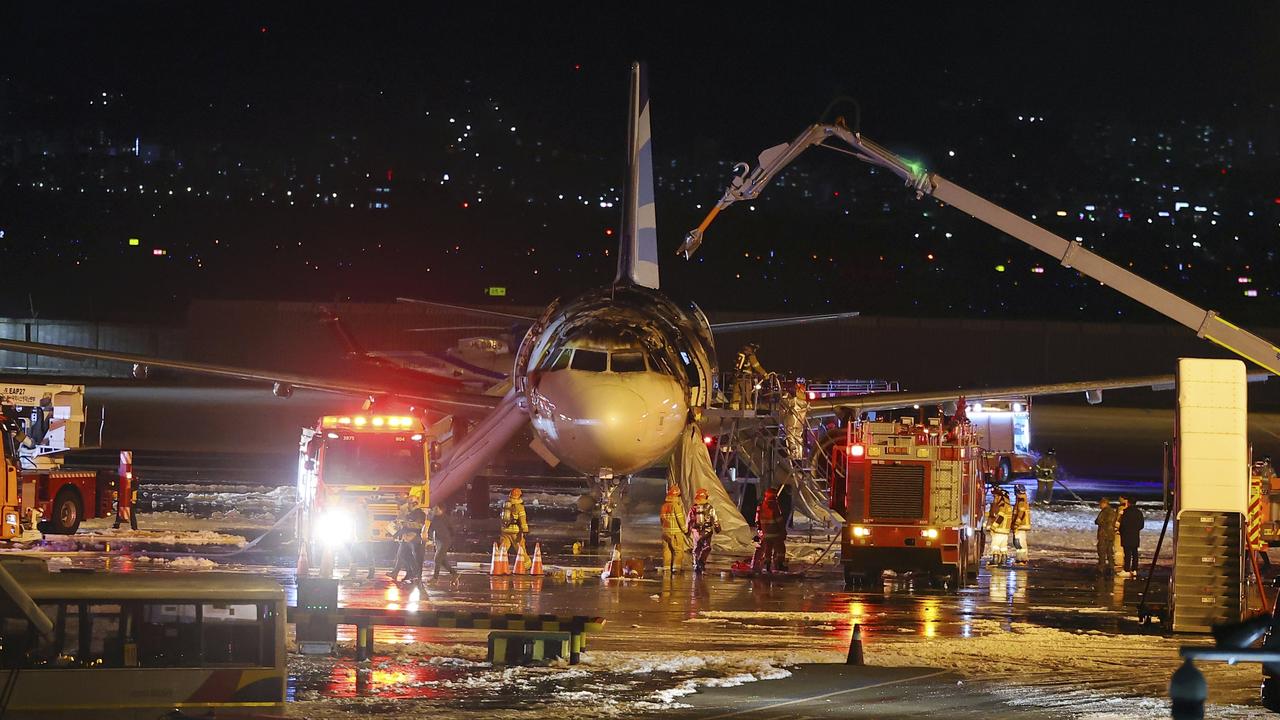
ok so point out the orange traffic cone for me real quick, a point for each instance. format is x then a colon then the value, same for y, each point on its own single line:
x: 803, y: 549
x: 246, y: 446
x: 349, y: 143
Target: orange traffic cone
x: 522, y: 561
x: 498, y: 564
x: 613, y: 568
x: 537, y: 560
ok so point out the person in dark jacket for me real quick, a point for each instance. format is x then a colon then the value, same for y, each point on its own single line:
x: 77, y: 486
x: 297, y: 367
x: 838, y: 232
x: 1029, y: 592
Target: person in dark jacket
x: 441, y: 532
x: 409, y: 533
x: 1106, y: 522
x: 1131, y: 523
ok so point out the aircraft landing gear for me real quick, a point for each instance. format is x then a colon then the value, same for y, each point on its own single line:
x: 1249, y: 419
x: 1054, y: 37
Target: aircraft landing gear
x: 606, y: 523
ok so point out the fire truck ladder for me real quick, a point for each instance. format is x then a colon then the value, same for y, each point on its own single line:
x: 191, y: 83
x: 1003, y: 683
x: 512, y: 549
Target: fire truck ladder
x: 748, y: 185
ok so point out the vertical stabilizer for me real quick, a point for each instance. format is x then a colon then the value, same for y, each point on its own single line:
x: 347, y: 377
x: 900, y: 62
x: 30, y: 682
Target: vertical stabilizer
x: 638, y: 253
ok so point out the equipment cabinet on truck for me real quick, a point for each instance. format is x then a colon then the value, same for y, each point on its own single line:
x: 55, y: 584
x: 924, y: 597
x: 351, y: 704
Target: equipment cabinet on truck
x: 913, y: 498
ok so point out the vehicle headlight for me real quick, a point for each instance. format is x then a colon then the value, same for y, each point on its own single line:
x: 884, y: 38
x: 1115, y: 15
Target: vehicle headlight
x: 930, y: 533
x: 336, y: 526
x: 860, y: 531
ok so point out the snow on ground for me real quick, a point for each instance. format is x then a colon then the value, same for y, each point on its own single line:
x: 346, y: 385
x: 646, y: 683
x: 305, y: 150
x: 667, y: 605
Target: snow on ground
x: 176, y: 531
x: 1068, y: 532
x: 187, y: 562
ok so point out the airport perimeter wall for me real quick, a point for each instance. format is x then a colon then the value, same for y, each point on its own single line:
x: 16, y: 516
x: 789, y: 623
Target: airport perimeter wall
x: 920, y: 353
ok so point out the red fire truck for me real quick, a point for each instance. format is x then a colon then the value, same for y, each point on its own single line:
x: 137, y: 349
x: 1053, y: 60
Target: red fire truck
x: 913, y: 499
x: 37, y: 424
x: 354, y: 470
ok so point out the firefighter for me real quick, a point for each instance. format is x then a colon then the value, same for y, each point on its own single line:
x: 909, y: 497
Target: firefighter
x: 515, y: 526
x: 999, y: 520
x: 402, y: 549
x: 795, y: 413
x: 674, y: 530
x: 703, y: 524
x: 772, y: 526
x: 1021, y: 523
x: 1106, y: 522
x: 1046, y: 477
x: 747, y: 372
x: 409, y: 533
x: 441, y: 533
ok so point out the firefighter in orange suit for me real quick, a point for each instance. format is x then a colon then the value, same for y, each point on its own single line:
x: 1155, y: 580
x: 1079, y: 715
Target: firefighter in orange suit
x: 674, y: 530
x: 704, y: 524
x: 772, y: 525
x: 515, y: 526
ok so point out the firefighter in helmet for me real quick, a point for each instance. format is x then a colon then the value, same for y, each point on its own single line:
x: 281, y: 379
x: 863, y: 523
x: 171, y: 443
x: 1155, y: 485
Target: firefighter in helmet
x: 747, y: 372
x: 514, y: 523
x: 772, y: 526
x: 674, y: 530
x: 1046, y: 477
x: 1020, y: 524
x: 999, y: 522
x: 704, y: 524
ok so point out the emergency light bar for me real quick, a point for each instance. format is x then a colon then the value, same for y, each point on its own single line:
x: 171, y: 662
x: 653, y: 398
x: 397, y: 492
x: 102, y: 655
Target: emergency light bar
x: 372, y: 422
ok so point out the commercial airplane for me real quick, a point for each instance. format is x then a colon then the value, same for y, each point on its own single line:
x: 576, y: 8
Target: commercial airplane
x: 610, y: 381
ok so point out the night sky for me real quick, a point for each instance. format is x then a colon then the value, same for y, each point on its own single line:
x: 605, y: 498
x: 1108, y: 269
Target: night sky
x: 260, y: 97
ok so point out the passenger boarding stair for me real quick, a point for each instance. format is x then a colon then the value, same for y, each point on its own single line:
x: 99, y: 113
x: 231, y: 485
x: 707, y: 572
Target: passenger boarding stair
x: 758, y: 443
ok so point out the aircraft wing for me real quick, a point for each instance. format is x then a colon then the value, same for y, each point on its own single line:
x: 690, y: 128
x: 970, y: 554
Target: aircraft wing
x: 780, y: 322
x: 465, y: 309
x: 892, y: 400
x: 462, y: 403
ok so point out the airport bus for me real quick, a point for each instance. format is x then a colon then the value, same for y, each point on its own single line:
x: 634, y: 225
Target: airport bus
x: 143, y: 645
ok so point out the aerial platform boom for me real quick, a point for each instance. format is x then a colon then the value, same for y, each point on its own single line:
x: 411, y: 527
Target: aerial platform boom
x: 748, y: 184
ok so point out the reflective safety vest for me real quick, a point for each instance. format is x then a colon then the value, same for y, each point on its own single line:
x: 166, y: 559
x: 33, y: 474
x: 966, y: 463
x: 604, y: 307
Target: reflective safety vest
x: 672, y: 518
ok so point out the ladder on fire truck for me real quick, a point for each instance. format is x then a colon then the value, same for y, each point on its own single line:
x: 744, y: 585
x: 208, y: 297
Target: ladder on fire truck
x: 748, y: 184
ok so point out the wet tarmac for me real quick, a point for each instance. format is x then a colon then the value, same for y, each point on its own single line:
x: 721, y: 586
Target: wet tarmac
x: 1049, y: 641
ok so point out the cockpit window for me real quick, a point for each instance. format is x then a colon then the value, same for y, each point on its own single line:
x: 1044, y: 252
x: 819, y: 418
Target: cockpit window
x: 562, y: 360
x: 590, y: 360
x: 627, y: 362
x: 658, y: 363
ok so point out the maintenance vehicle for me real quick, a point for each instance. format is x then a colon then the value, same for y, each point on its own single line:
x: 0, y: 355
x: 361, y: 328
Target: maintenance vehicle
x: 913, y: 498
x: 38, y: 425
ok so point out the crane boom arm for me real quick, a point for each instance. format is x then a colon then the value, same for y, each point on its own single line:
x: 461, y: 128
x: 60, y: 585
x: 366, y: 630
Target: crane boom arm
x: 1206, y: 323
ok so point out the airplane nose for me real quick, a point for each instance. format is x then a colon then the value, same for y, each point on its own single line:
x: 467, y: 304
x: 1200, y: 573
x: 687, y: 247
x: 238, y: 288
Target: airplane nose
x: 613, y: 427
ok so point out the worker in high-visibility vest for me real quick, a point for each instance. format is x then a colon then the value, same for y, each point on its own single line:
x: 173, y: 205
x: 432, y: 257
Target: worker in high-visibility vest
x: 674, y: 530
x: 515, y: 524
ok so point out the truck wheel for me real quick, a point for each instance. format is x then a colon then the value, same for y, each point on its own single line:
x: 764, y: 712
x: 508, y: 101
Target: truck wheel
x: 850, y: 579
x: 67, y: 512
x: 955, y: 580
x: 1006, y: 472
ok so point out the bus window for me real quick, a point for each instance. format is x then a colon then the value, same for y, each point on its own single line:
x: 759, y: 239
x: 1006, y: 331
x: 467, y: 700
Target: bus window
x: 15, y: 638
x: 68, y: 632
x: 106, y: 647
x: 232, y: 634
x: 590, y: 360
x: 168, y: 636
x: 45, y: 650
x: 627, y: 362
